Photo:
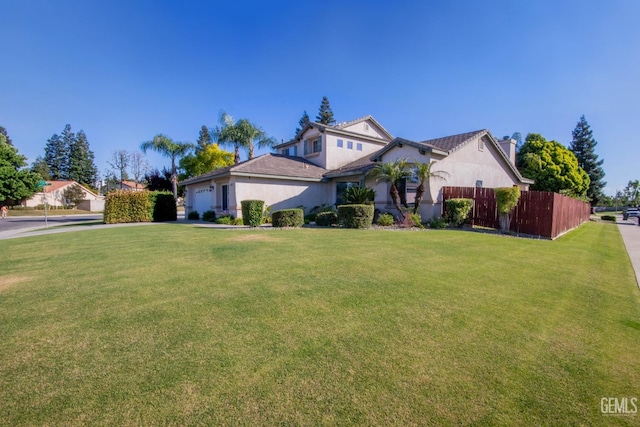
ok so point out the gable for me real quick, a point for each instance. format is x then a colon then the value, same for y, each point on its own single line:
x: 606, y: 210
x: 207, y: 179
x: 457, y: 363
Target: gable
x: 368, y: 128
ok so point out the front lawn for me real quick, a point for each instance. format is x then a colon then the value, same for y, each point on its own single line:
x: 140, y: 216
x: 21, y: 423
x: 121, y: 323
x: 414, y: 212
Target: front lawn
x: 172, y: 324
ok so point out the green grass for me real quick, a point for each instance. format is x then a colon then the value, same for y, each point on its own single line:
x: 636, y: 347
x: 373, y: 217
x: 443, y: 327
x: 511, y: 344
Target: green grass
x: 174, y: 324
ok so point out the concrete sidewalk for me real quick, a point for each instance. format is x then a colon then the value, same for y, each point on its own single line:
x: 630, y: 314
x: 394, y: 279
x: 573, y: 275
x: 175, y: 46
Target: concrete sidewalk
x: 631, y: 236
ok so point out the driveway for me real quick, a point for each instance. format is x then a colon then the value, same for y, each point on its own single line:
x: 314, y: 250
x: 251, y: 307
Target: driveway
x: 631, y: 237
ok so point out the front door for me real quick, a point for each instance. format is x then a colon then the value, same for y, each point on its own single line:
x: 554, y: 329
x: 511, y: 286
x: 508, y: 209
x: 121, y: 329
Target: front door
x: 225, y: 198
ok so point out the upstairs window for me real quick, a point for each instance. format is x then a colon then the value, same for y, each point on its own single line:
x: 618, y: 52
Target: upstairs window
x: 317, y: 145
x: 340, y: 143
x: 480, y: 144
x: 359, y: 146
x: 350, y: 145
x: 295, y: 150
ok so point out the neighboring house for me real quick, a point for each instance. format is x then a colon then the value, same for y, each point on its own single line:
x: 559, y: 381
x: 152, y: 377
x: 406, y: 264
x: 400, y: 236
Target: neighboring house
x: 52, y: 194
x: 132, y: 186
x: 322, y: 161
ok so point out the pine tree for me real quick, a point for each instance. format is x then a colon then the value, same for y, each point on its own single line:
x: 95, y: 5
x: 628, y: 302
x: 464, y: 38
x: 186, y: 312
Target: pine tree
x: 40, y: 167
x: 304, y: 120
x: 204, y: 139
x: 82, y: 168
x: 583, y: 146
x: 325, y: 114
x: 55, y: 156
x: 3, y: 131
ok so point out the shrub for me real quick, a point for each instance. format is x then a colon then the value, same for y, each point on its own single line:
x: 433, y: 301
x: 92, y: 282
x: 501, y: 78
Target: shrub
x: 225, y: 219
x: 326, y: 219
x: 127, y: 206
x: 288, y: 218
x: 416, y: 219
x: 209, y: 216
x: 359, y: 195
x: 163, y: 206
x: 355, y: 216
x: 608, y: 218
x: 252, y: 212
x: 310, y: 218
x: 266, y: 215
x: 458, y: 211
x: 386, y: 219
x: 237, y: 221
x: 507, y: 198
x: 437, y: 222
x: 193, y: 215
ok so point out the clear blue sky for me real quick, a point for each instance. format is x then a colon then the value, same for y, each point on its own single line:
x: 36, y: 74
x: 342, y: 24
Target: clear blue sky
x: 124, y: 71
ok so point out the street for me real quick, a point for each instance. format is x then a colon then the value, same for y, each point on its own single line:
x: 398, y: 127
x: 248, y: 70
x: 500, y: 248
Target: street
x: 19, y: 222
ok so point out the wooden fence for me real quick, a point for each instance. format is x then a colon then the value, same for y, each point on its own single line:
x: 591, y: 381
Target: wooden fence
x: 538, y: 213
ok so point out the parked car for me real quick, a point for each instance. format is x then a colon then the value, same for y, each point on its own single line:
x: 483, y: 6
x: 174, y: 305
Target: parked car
x: 631, y: 213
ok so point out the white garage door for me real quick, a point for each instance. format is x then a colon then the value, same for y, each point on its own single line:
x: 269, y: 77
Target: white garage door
x: 202, y: 200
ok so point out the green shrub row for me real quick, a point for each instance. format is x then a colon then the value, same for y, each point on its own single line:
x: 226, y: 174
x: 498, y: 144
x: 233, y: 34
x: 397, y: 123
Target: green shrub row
x: 355, y: 216
x: 288, y: 218
x: 209, y: 216
x: 139, y: 206
x: 458, y: 211
x: 608, y: 218
x: 252, y: 212
x: 326, y: 219
x: 194, y: 215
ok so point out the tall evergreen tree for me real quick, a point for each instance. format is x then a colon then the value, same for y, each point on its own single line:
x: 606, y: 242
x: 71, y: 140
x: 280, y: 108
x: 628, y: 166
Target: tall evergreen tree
x: 55, y: 156
x: 40, y: 167
x: 82, y: 168
x: 325, y: 114
x: 583, y: 146
x: 3, y: 131
x: 304, y: 120
x: 204, y: 139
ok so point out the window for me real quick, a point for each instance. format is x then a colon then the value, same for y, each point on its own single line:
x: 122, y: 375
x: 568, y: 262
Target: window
x: 285, y: 152
x: 306, y: 147
x: 340, y: 143
x: 341, y: 187
x: 479, y: 183
x: 480, y: 144
x: 295, y: 150
x: 350, y: 145
x: 317, y: 145
x: 359, y: 146
x: 366, y: 126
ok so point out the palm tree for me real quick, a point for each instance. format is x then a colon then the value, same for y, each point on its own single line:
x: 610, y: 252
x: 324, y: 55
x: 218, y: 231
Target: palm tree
x: 241, y: 133
x: 423, y: 172
x: 392, y: 172
x: 169, y: 148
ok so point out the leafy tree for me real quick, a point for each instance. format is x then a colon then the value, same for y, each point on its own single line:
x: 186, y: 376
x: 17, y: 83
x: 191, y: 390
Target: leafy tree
x: 16, y: 183
x: 40, y: 167
x: 583, y: 146
x: 205, y: 160
x: 241, y: 133
x: 423, y: 172
x: 72, y: 195
x: 169, y: 148
x: 82, y: 168
x: 3, y: 131
x: 325, y: 114
x: 204, y: 139
x: 392, y: 172
x: 159, y: 181
x: 304, y: 120
x: 119, y: 163
x: 552, y: 166
x: 631, y: 193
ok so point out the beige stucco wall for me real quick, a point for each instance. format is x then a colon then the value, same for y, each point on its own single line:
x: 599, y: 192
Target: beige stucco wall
x: 276, y: 193
x: 338, y: 157
x: 366, y: 128
x: 55, y: 198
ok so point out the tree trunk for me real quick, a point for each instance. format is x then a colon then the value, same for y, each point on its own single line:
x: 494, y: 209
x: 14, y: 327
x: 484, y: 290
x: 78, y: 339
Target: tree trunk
x: 236, y: 158
x: 419, y: 194
x: 250, y: 151
x: 174, y: 185
x: 395, y: 196
x: 505, y: 222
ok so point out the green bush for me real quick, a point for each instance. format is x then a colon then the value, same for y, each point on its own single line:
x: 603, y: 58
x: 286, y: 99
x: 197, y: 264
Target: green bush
x: 386, y: 219
x: 252, y: 212
x: 416, y: 220
x: 326, y: 219
x: 507, y: 198
x: 225, y: 219
x: 458, y: 211
x: 310, y: 218
x: 288, y: 218
x: 127, y: 206
x: 266, y: 215
x: 359, y: 195
x: 608, y: 218
x: 193, y: 215
x: 163, y: 206
x: 355, y: 216
x: 437, y: 222
x: 237, y: 221
x: 209, y: 216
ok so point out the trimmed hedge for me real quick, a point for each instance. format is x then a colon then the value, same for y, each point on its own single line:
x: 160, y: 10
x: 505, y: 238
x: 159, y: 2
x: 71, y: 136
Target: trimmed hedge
x: 608, y: 218
x: 458, y: 211
x: 164, y: 206
x: 252, y: 212
x: 209, y: 216
x: 386, y: 220
x: 139, y: 206
x: 288, y: 218
x: 326, y: 219
x: 355, y: 216
x: 193, y: 215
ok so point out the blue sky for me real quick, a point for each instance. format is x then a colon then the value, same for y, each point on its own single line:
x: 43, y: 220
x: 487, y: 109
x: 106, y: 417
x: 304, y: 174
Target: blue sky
x: 124, y: 71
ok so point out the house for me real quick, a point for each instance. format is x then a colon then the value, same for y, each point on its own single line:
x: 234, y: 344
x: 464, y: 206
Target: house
x: 132, y: 186
x: 53, y: 195
x: 322, y: 161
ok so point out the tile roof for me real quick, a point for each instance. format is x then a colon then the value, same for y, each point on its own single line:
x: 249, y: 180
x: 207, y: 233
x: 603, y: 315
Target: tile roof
x: 452, y: 142
x: 268, y: 164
